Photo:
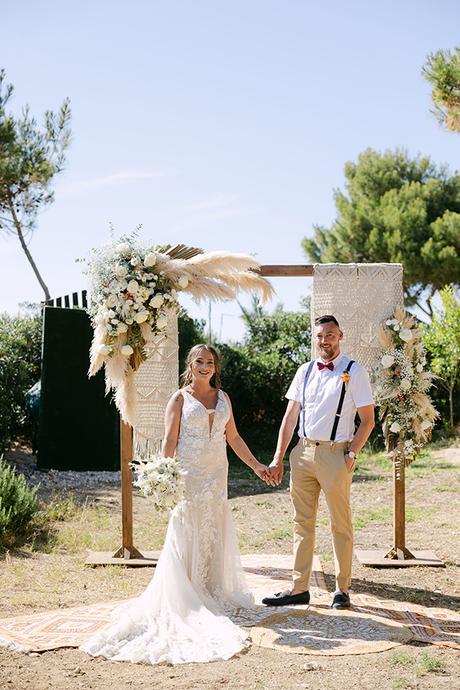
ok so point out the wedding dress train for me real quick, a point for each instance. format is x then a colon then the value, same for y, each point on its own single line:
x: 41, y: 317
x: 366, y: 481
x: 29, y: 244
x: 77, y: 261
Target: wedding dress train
x: 182, y: 616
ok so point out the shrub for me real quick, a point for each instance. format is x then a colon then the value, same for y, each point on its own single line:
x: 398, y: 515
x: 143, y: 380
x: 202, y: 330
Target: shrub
x: 20, y: 351
x: 18, y: 503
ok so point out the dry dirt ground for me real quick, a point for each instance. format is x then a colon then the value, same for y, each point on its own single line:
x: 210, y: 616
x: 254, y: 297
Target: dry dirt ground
x: 48, y: 572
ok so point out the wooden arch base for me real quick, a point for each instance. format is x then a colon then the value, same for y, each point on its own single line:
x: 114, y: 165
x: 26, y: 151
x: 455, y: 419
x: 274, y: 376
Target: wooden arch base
x: 399, y: 555
x: 127, y: 554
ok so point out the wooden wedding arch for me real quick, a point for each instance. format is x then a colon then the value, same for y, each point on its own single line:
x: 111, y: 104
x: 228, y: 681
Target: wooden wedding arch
x: 127, y: 554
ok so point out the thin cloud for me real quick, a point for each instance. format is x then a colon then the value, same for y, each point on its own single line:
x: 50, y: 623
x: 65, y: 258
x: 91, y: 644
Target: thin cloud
x: 105, y: 181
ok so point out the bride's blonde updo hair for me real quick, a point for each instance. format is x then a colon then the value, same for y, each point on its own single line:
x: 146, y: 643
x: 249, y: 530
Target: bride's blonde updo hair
x: 192, y: 355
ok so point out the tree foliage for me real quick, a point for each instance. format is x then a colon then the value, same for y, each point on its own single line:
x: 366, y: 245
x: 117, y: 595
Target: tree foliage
x: 442, y: 70
x: 30, y: 157
x: 398, y: 210
x: 257, y: 373
x: 20, y: 356
x: 442, y: 341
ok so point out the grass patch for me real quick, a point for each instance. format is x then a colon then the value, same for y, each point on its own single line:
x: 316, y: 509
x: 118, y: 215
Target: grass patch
x: 427, y: 663
x: 401, y: 684
x: 401, y: 659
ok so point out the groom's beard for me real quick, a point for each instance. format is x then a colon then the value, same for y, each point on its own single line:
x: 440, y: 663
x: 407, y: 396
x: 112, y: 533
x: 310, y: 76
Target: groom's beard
x: 328, y: 352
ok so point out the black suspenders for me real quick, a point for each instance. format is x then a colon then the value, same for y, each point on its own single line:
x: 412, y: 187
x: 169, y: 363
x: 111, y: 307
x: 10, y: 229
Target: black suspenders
x: 339, y: 407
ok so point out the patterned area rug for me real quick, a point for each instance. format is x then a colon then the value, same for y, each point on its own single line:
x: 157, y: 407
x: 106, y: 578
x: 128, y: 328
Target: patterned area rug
x: 371, y: 626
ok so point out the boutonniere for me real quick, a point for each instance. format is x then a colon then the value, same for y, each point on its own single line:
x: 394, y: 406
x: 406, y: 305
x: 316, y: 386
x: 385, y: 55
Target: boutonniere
x: 345, y: 377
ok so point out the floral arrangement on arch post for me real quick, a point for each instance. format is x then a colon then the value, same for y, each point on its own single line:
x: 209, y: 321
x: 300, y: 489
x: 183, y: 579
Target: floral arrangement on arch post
x: 134, y: 289
x: 402, y: 382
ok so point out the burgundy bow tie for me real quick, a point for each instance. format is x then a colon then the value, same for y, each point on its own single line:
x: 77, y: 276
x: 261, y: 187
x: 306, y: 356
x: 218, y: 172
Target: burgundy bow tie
x: 329, y: 365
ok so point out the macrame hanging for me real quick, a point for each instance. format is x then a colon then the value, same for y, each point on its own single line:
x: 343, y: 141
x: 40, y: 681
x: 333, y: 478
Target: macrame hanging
x: 360, y: 296
x: 155, y: 381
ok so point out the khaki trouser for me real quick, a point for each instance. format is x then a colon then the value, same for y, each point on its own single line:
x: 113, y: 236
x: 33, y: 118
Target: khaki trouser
x: 317, y: 465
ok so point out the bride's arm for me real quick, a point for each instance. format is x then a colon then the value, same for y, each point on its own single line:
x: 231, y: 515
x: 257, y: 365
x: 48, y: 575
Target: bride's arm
x: 240, y: 448
x: 172, y: 425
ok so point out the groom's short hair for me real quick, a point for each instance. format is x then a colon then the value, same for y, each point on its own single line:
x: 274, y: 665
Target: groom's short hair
x: 326, y: 318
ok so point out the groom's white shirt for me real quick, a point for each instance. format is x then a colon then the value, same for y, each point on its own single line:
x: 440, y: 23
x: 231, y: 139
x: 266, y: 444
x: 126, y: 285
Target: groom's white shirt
x: 322, y: 394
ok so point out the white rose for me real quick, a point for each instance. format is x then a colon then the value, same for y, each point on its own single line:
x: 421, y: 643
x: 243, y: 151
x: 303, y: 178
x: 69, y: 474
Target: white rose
x: 426, y: 424
x: 104, y: 350
x: 183, y: 282
x: 144, y: 294
x: 123, y: 248
x: 419, y: 368
x: 111, y: 301
x: 388, y: 322
x: 122, y: 327
x: 150, y: 260
x: 405, y: 334
x: 405, y: 384
x: 141, y: 316
x: 133, y: 286
x: 157, y: 301
x: 134, y: 261
x: 162, y: 322
x: 387, y: 361
x: 120, y: 271
x: 395, y: 428
x: 126, y: 350
x: 129, y: 322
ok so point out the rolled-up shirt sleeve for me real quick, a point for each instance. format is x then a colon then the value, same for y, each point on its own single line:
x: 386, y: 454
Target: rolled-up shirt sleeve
x: 295, y: 390
x: 360, y: 387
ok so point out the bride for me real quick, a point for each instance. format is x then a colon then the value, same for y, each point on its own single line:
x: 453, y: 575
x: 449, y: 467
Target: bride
x: 181, y: 616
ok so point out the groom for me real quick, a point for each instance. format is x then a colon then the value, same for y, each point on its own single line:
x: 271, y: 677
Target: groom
x: 326, y: 393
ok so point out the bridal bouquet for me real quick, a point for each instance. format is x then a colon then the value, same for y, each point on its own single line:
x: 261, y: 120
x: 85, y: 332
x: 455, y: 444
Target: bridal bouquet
x: 161, y: 478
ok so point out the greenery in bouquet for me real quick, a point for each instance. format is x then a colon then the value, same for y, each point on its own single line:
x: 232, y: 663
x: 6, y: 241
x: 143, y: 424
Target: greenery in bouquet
x: 159, y: 478
x: 401, y: 386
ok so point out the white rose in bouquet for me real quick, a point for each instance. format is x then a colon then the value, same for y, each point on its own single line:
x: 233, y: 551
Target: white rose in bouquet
x: 133, y: 287
x: 111, y: 301
x: 395, y: 428
x: 157, y: 301
x: 405, y: 384
x: 120, y: 271
x: 141, y: 316
x: 405, y: 334
x: 126, y: 350
x: 387, y: 361
x: 150, y: 260
x: 122, y: 327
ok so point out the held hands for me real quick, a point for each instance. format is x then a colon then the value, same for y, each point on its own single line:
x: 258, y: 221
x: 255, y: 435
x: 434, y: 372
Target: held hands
x: 276, y: 470
x: 262, y: 472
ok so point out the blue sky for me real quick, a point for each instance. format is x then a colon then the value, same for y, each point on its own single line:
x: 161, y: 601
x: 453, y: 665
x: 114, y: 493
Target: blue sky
x: 220, y: 125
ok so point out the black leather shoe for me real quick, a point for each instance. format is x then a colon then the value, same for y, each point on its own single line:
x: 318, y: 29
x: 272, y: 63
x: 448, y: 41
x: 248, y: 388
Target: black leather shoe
x: 341, y: 601
x: 287, y: 599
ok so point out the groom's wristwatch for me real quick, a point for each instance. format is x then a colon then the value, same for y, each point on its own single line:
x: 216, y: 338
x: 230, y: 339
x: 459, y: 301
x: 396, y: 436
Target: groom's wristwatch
x: 351, y: 454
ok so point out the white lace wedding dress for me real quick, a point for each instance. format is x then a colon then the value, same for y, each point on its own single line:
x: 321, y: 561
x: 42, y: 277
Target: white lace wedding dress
x: 182, y: 615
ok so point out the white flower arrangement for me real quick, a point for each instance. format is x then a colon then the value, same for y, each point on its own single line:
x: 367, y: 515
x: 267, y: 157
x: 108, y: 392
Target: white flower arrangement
x: 161, y: 479
x: 133, y: 292
x: 401, y: 385
x: 127, y: 291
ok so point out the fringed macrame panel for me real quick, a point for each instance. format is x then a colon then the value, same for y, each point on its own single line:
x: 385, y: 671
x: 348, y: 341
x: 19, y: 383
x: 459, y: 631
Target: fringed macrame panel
x: 155, y: 382
x: 360, y: 296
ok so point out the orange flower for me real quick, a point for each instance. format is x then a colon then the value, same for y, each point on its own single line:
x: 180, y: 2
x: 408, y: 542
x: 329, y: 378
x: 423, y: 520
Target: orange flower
x: 345, y: 377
